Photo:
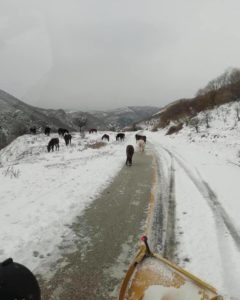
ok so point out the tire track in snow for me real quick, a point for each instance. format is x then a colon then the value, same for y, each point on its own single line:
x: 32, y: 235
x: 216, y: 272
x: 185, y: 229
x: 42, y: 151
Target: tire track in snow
x: 223, y: 214
x: 170, y: 242
x: 222, y: 221
x: 206, y: 191
x: 163, y: 222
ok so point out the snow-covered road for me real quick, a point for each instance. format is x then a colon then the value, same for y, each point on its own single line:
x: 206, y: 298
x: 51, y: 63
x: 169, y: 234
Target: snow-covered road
x: 198, y: 185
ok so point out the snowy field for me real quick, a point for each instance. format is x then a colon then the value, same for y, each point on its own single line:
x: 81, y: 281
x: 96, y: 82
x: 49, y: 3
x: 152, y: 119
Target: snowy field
x: 42, y: 193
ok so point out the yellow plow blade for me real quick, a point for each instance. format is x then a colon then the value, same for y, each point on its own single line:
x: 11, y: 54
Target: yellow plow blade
x: 152, y: 277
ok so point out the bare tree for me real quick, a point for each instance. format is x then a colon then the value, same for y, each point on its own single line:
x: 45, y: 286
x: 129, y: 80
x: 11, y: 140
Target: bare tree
x: 3, y: 138
x: 237, y: 109
x: 230, y: 76
x: 194, y: 122
x: 81, y: 122
x: 234, y: 77
x: 184, y: 120
x: 207, y: 118
x: 112, y: 127
x: 19, y: 128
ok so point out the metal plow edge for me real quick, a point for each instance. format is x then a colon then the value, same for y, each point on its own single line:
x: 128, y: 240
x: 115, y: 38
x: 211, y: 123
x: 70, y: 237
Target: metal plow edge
x: 152, y: 277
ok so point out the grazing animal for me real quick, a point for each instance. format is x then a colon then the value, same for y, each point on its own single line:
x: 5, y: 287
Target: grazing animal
x: 93, y: 130
x: 33, y: 130
x: 120, y: 137
x: 105, y: 137
x: 141, y: 145
x: 47, y: 131
x: 129, y: 152
x: 53, y: 142
x: 141, y: 137
x: 67, y: 138
x: 62, y: 131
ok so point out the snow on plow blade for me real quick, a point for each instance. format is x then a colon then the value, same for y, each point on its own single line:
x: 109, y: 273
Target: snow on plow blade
x: 152, y: 277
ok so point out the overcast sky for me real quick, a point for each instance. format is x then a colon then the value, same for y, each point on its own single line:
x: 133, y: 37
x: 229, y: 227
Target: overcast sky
x: 100, y: 54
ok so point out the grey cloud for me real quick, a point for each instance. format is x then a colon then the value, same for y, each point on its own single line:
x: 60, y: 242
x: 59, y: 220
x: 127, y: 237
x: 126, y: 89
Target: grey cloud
x: 99, y: 54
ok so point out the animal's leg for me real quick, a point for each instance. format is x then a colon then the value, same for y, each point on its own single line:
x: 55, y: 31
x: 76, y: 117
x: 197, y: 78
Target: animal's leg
x: 130, y: 162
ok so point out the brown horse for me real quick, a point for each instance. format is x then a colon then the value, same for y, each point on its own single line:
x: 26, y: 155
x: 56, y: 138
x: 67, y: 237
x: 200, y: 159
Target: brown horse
x: 53, y: 142
x: 67, y: 138
x: 47, y: 131
x: 120, y: 137
x: 62, y: 131
x: 129, y: 152
x: 105, y: 137
x: 93, y: 130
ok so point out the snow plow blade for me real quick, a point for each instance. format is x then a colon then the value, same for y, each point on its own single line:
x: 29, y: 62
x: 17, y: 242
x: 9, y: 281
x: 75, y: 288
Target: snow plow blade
x: 152, y: 277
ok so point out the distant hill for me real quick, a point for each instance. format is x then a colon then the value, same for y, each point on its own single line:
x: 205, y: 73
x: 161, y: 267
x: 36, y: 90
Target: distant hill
x: 119, y: 118
x: 16, y: 117
x: 221, y: 90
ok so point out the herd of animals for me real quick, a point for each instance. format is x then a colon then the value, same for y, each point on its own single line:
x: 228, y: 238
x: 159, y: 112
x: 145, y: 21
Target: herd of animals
x: 62, y: 132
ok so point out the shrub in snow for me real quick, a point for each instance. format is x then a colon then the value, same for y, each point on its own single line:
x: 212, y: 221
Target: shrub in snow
x: 194, y: 122
x: 174, y: 129
x: 238, y: 154
x: 11, y: 172
x: 154, y: 129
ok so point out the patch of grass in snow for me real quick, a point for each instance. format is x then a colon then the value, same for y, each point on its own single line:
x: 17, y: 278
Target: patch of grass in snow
x: 11, y: 172
x: 96, y: 145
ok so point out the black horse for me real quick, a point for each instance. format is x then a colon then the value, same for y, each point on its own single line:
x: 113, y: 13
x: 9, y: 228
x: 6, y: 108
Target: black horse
x: 92, y: 130
x: 47, y: 131
x: 62, y: 131
x: 141, y: 137
x: 105, y: 137
x: 120, y: 137
x: 67, y: 138
x: 129, y: 152
x: 33, y: 130
x: 53, y: 142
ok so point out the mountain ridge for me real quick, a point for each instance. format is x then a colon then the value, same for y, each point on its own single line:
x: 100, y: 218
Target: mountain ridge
x: 16, y: 117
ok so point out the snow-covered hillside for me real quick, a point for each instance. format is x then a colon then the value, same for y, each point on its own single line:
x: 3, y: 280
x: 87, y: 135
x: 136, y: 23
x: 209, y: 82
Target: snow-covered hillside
x: 42, y: 192
x: 222, y: 136
x: 206, y: 168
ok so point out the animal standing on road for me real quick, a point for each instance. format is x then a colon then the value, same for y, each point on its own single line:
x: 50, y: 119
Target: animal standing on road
x: 105, y: 137
x: 129, y: 152
x: 67, y: 138
x: 54, y: 142
x: 120, y: 137
x: 141, y: 145
x: 141, y: 137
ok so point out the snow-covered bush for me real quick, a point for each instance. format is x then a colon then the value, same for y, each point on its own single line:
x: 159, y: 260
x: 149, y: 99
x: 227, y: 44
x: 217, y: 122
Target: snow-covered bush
x: 11, y: 172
